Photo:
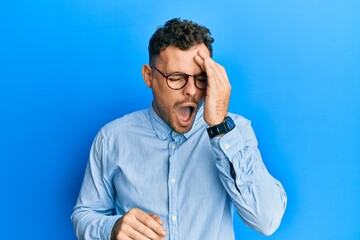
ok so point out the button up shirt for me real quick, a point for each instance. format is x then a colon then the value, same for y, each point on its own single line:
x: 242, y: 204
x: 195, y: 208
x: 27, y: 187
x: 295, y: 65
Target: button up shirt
x: 191, y: 181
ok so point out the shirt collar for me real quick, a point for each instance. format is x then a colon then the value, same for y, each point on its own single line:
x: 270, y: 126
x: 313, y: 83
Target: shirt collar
x: 163, y: 130
x: 160, y: 127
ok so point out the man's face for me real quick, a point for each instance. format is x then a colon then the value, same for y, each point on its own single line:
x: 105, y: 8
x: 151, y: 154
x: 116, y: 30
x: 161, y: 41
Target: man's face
x: 176, y: 107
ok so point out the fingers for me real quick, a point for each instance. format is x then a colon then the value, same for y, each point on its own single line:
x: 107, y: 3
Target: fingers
x: 149, y: 226
x: 200, y: 62
x: 157, y: 219
x: 218, y: 89
x: 213, y: 70
x: 139, y: 225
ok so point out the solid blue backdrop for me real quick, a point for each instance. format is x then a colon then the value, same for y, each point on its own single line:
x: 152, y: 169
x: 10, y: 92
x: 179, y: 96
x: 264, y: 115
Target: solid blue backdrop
x: 69, y: 67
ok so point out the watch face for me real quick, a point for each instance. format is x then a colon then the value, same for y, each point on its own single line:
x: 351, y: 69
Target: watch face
x: 230, y: 122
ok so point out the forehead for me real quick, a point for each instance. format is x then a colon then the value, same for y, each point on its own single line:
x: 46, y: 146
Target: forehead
x: 175, y: 59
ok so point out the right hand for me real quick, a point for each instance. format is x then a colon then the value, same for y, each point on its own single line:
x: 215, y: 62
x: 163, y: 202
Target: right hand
x: 138, y: 225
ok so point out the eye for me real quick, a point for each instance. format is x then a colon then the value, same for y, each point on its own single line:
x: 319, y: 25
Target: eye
x: 202, y: 77
x: 176, y: 77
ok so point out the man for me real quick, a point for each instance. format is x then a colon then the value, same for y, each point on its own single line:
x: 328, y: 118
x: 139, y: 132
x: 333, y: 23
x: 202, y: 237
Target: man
x: 175, y: 170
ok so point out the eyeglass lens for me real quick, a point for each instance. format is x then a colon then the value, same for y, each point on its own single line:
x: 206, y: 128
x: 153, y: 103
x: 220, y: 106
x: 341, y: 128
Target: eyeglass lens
x: 179, y: 80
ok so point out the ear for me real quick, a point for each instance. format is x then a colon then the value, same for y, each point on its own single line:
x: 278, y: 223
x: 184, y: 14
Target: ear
x: 147, y: 75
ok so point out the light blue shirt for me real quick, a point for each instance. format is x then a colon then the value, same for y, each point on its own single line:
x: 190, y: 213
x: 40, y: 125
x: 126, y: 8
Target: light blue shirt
x: 191, y: 181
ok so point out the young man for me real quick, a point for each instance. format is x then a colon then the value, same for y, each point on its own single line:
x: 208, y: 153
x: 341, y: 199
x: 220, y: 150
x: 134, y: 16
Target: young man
x: 175, y: 170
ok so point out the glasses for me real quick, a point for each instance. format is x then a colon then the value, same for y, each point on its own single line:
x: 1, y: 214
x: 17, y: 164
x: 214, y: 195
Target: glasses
x: 178, y: 80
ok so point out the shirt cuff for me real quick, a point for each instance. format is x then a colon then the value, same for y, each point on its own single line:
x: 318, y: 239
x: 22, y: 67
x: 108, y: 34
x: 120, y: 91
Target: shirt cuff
x: 229, y: 144
x: 108, y: 225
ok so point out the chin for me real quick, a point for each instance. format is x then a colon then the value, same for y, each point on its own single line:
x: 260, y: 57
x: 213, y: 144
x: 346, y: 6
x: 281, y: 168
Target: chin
x: 182, y: 130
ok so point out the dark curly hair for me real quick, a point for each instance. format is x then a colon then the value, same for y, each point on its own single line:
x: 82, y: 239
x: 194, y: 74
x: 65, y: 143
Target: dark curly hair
x: 182, y: 34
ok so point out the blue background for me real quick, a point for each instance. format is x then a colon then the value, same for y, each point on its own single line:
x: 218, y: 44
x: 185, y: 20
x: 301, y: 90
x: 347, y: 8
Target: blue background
x: 69, y: 67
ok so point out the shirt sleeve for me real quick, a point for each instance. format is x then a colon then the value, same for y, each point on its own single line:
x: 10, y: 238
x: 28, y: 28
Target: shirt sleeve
x: 93, y: 213
x: 259, y: 198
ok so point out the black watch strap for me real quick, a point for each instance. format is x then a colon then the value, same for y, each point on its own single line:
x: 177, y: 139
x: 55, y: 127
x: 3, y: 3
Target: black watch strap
x: 226, y: 126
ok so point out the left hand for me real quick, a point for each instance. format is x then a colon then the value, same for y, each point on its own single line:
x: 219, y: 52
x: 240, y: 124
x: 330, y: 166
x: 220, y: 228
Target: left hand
x: 217, y: 96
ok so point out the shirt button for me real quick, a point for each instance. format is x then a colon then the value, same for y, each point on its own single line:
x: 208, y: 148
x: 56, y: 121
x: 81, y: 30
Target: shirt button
x: 173, y: 146
x: 173, y: 218
x: 173, y: 180
x: 226, y: 146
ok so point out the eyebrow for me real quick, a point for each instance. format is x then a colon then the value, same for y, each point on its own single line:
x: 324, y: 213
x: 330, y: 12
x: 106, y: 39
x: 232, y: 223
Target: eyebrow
x: 187, y: 73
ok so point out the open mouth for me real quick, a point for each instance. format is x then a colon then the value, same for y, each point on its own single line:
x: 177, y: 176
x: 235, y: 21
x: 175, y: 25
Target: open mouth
x: 185, y: 114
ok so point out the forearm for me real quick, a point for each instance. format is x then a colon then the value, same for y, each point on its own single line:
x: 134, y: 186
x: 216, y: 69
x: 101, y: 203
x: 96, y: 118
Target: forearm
x: 259, y: 198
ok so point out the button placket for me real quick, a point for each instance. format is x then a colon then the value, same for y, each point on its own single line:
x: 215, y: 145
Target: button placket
x: 172, y: 191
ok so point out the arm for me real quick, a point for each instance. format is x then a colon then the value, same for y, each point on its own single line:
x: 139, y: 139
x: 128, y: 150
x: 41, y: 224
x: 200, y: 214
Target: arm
x: 259, y: 198
x: 93, y: 214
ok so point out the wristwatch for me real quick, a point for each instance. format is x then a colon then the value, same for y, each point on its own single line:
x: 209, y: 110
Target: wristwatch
x: 226, y: 126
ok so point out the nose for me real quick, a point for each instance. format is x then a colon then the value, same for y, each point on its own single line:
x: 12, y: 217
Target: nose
x: 190, y: 89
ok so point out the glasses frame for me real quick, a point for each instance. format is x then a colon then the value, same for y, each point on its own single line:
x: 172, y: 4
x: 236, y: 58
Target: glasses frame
x: 185, y: 75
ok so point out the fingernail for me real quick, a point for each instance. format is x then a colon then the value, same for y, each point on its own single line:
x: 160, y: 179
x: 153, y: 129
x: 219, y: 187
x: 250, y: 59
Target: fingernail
x: 163, y: 233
